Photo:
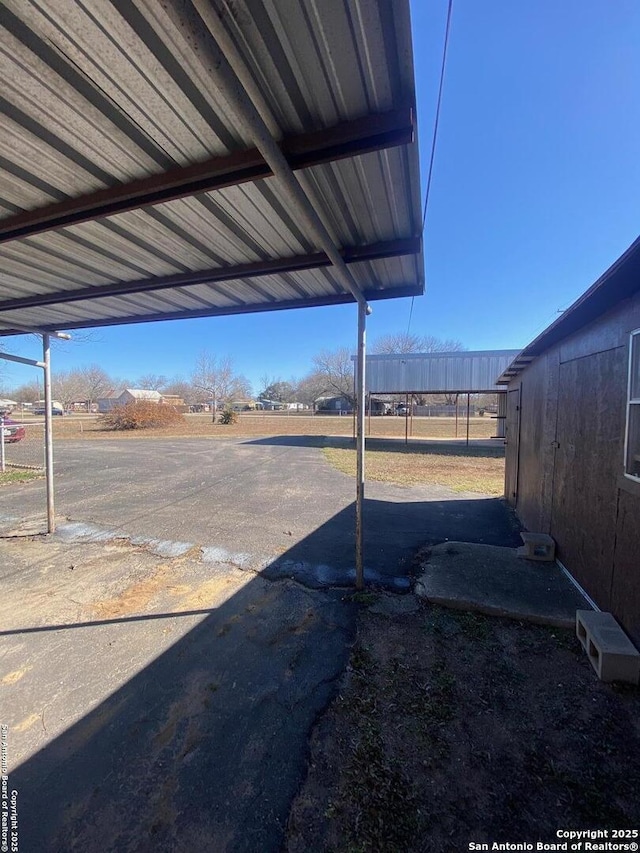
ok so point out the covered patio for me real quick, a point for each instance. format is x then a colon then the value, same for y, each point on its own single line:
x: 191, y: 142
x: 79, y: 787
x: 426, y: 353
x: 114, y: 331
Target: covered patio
x: 197, y: 160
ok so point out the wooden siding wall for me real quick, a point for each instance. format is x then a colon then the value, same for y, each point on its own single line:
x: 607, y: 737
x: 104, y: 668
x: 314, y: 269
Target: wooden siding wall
x: 570, y: 460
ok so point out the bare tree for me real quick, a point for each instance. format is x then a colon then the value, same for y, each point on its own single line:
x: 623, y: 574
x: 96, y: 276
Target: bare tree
x: 214, y: 378
x: 27, y: 393
x: 402, y: 342
x: 241, y: 388
x: 152, y: 382
x: 67, y: 387
x: 335, y: 370
x: 96, y: 382
x: 310, y: 387
x: 179, y: 387
x: 279, y: 390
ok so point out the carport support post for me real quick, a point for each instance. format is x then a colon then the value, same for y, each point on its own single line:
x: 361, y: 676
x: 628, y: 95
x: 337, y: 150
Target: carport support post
x: 468, y: 412
x: 48, y: 432
x: 360, y: 441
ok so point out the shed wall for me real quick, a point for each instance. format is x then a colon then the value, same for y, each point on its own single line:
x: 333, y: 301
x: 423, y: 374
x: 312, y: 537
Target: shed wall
x: 570, y: 460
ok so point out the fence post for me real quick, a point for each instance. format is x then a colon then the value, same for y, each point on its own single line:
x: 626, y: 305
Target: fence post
x: 2, y: 444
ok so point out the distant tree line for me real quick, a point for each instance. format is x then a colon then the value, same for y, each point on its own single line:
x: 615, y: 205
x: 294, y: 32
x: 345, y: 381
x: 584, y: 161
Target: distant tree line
x: 214, y: 379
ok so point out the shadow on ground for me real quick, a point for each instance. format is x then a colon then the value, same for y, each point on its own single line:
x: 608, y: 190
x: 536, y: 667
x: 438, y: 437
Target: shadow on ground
x: 394, y: 531
x: 205, y: 747
x: 441, y: 447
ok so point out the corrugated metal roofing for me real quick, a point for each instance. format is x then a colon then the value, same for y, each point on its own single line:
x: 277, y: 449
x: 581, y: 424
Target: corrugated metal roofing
x: 436, y: 373
x: 100, y: 99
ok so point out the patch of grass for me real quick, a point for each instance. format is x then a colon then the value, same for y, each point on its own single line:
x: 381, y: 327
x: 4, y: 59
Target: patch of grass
x: 258, y: 424
x: 474, y: 625
x: 365, y: 597
x: 461, y: 471
x: 377, y: 806
x: 11, y: 477
x: 487, y: 728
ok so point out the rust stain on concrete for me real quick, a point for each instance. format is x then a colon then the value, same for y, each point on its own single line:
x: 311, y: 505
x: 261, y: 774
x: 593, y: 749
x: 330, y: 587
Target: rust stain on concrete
x: 136, y: 597
x: 209, y: 593
x: 27, y: 723
x: 16, y: 675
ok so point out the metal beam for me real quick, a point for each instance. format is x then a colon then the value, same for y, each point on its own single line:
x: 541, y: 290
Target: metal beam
x: 232, y: 310
x: 48, y: 433
x: 28, y: 330
x: 371, y: 133
x: 19, y: 360
x: 297, y: 263
x: 360, y: 442
x: 228, y: 70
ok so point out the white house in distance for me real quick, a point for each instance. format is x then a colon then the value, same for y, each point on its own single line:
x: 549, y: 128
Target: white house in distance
x: 129, y: 395
x: 133, y: 395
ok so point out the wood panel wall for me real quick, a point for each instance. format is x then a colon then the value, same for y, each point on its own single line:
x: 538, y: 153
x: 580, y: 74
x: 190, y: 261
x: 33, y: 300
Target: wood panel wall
x: 571, y: 452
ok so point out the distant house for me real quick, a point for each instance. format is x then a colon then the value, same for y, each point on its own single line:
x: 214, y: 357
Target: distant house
x: 176, y: 401
x: 338, y: 405
x: 242, y: 405
x: 105, y: 404
x: 573, y: 438
x: 133, y: 395
x: 39, y: 407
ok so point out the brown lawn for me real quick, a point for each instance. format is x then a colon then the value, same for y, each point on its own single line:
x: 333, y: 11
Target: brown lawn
x: 473, y: 469
x: 281, y: 423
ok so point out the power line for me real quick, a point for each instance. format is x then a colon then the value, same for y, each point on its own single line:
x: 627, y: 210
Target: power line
x: 435, y: 132
x: 438, y: 105
x: 410, y: 315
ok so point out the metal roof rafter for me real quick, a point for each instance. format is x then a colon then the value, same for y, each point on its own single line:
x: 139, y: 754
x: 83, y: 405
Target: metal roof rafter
x: 297, y: 263
x: 348, y: 139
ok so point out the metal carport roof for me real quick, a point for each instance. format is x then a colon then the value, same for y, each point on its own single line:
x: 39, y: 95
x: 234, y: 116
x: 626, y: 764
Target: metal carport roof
x: 437, y: 372
x: 130, y: 189
x: 166, y: 159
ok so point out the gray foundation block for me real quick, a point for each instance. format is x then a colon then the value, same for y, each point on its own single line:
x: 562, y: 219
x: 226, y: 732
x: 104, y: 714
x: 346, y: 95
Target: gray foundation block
x: 610, y: 651
x: 537, y: 546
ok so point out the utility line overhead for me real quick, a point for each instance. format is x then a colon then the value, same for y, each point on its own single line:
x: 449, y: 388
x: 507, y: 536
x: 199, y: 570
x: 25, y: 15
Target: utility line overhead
x: 435, y: 133
x: 437, y: 118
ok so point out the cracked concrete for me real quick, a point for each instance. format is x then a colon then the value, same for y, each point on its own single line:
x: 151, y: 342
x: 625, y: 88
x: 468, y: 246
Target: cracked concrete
x: 157, y: 702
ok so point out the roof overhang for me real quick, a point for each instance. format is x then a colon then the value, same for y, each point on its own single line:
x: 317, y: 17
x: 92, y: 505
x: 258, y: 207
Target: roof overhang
x: 134, y: 190
x: 619, y: 282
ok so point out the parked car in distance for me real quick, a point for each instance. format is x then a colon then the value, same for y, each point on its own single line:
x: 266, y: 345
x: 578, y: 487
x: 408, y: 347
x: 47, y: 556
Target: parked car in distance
x: 12, y: 431
x: 56, y: 408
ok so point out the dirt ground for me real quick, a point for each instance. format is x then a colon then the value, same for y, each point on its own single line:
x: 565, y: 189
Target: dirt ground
x: 451, y: 728
x: 251, y: 424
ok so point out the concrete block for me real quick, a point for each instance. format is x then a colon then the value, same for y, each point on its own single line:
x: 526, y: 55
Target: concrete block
x: 610, y: 651
x: 537, y: 546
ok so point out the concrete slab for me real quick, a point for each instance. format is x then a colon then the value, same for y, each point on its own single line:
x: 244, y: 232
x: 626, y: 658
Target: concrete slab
x: 158, y: 703
x: 494, y: 580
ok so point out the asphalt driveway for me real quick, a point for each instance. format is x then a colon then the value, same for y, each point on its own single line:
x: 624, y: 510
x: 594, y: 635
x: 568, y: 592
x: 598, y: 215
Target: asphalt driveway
x: 273, y: 505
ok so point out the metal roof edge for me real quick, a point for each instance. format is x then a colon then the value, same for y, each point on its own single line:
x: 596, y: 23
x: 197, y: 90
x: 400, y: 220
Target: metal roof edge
x: 443, y: 354
x: 620, y: 281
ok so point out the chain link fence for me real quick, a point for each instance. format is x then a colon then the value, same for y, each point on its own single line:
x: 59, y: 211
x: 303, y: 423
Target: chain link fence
x: 22, y: 445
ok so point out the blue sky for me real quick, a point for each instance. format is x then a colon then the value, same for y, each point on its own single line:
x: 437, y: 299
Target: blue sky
x: 535, y: 192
